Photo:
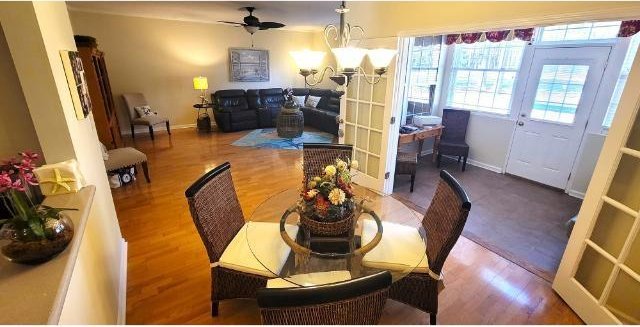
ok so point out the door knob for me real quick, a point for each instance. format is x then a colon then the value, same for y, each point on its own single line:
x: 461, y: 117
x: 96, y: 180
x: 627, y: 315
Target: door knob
x: 520, y: 123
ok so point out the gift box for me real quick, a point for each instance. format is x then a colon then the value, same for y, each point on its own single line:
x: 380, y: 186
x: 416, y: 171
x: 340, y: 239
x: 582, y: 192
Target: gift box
x: 60, y: 178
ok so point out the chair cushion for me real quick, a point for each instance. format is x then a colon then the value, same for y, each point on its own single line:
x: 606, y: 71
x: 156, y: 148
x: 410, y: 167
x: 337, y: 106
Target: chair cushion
x: 238, y: 255
x: 149, y: 120
x: 311, y: 279
x: 123, y: 157
x: 453, y: 148
x: 399, y: 250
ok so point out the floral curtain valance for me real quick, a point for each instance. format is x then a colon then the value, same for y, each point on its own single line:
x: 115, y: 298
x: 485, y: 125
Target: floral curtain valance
x: 524, y: 34
x: 629, y: 28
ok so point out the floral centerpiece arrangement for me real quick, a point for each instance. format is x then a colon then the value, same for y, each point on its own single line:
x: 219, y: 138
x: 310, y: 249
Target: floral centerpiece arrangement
x: 327, y: 204
x: 289, y: 102
x: 37, y: 232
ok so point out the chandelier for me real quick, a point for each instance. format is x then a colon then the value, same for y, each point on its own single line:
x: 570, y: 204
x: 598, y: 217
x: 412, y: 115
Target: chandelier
x: 348, y: 56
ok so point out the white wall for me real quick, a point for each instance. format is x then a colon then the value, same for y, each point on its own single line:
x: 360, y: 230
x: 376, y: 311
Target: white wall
x: 160, y: 58
x: 35, y: 33
x: 16, y: 129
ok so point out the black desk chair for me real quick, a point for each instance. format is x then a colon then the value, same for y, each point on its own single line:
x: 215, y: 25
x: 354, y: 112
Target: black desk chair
x: 452, y: 142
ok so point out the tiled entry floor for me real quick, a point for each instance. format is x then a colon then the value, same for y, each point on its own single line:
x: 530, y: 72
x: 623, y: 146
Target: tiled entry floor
x: 520, y: 220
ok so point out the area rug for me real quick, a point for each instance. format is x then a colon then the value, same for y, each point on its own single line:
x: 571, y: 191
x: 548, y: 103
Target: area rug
x: 268, y: 138
x: 517, y: 219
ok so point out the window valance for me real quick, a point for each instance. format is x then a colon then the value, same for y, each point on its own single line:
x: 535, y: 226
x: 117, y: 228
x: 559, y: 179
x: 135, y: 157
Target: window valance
x: 524, y: 34
x: 629, y: 28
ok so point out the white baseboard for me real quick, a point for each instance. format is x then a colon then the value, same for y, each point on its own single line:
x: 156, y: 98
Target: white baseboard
x: 146, y: 130
x: 485, y: 166
x: 576, y: 194
x: 122, y: 287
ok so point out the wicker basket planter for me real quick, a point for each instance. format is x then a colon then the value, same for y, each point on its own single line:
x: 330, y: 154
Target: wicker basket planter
x: 325, y: 228
x: 290, y: 123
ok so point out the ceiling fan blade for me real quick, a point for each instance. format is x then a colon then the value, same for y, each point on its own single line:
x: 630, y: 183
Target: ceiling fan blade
x: 232, y: 23
x: 266, y: 25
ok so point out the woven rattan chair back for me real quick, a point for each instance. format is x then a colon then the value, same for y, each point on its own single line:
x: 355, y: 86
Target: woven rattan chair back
x: 354, y: 302
x: 215, y: 209
x: 445, y: 219
x: 315, y: 156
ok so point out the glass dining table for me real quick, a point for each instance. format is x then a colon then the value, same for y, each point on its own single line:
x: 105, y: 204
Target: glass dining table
x: 386, y: 235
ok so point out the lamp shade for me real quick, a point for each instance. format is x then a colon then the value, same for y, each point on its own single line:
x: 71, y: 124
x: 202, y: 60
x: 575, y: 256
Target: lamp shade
x: 200, y: 83
x: 349, y: 57
x: 307, y: 59
x: 381, y: 58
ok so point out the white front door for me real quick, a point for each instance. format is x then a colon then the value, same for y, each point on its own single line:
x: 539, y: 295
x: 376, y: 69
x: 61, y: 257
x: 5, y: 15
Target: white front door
x: 559, y: 95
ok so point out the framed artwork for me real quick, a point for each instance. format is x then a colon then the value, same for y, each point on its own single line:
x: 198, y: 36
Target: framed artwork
x: 77, y: 81
x: 249, y: 65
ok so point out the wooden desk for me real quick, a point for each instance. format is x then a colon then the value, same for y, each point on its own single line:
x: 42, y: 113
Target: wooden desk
x: 422, y: 134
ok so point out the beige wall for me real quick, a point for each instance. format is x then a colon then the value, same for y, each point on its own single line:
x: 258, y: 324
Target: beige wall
x: 35, y: 33
x: 160, y: 58
x: 16, y: 129
x: 387, y: 18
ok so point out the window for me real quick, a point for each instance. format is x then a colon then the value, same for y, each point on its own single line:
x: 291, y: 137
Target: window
x: 580, y: 32
x: 622, y: 80
x: 483, y: 75
x: 559, y: 92
x: 423, y: 73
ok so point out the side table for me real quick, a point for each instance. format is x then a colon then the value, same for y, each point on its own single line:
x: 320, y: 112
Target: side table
x: 203, y: 120
x: 290, y: 123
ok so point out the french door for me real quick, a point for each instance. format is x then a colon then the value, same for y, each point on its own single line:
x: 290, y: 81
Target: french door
x: 365, y: 114
x: 559, y: 94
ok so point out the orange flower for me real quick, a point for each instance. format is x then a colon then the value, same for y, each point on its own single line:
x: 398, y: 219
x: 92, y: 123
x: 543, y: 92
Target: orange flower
x: 322, y: 205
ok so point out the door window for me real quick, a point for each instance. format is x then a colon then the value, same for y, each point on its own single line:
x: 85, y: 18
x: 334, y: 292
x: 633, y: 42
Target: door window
x: 559, y: 92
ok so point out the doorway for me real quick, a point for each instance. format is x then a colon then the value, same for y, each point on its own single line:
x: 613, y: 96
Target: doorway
x: 561, y: 88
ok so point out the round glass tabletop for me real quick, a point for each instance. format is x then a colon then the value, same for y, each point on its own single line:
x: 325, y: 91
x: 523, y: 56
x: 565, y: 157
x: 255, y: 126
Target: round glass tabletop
x: 387, y: 235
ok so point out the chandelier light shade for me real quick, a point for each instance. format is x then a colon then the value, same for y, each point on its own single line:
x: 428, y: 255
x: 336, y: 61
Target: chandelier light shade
x: 307, y: 59
x: 349, y: 58
x: 381, y: 58
x: 200, y: 83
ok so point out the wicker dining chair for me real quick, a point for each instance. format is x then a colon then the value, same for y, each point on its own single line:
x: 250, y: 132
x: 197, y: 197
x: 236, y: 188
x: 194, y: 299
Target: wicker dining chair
x: 315, y: 156
x: 216, y: 212
x: 353, y: 302
x: 443, y: 222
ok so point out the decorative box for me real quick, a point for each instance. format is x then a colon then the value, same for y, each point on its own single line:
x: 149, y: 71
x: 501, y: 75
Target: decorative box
x: 60, y: 178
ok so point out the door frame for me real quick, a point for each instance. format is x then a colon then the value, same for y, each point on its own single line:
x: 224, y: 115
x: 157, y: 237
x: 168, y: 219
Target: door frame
x: 523, y: 83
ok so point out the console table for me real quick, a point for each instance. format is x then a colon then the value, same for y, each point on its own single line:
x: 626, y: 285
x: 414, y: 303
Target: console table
x: 422, y: 134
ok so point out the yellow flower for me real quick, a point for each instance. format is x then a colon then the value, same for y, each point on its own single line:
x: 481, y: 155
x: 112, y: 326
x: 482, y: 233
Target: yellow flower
x: 336, y: 196
x: 330, y: 170
x: 317, y: 179
x: 312, y: 184
x: 312, y: 193
x: 354, y: 164
x: 341, y: 165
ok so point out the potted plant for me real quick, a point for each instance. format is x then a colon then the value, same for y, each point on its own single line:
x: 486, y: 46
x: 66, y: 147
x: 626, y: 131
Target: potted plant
x: 35, y: 232
x: 289, y: 102
x: 327, y: 205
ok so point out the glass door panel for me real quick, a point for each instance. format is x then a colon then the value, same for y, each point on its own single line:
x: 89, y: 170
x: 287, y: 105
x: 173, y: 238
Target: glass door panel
x: 559, y: 92
x: 611, y: 229
x: 634, y: 138
x: 633, y: 258
x: 593, y: 271
x: 624, y: 300
x: 626, y: 182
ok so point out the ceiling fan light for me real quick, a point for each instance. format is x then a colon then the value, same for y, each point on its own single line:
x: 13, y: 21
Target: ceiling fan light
x: 349, y: 57
x: 381, y: 58
x: 251, y: 29
x: 307, y: 59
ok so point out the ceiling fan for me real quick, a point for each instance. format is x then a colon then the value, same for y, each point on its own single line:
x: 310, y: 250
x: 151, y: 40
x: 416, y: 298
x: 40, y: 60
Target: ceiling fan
x: 252, y: 24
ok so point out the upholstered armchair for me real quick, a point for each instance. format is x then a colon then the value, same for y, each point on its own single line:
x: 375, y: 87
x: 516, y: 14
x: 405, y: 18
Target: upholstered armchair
x: 133, y: 100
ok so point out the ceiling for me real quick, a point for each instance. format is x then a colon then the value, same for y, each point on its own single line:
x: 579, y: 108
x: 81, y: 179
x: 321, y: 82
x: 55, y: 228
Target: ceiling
x: 297, y: 15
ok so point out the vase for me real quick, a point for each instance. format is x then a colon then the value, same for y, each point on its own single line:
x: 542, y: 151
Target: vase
x: 26, y: 249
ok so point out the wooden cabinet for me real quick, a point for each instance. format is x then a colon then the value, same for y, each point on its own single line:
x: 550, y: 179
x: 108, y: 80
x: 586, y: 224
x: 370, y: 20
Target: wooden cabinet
x: 104, y: 112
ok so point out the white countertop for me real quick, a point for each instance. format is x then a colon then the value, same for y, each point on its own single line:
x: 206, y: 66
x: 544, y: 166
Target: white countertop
x: 35, y: 294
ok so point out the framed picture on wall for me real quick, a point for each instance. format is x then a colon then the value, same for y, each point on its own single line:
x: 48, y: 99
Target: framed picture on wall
x: 77, y: 81
x: 248, y: 65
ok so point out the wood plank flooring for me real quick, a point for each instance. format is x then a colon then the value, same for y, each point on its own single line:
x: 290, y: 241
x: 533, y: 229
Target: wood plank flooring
x: 168, y: 269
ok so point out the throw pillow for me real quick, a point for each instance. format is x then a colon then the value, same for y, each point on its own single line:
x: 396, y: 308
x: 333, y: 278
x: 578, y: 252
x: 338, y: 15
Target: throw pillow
x: 144, y: 111
x: 312, y: 101
x: 299, y: 100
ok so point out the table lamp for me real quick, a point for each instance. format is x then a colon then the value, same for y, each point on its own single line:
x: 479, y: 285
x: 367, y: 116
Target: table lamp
x: 200, y: 83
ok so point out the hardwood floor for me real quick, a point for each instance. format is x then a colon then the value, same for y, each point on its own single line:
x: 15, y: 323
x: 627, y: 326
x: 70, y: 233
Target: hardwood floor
x: 168, y: 269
